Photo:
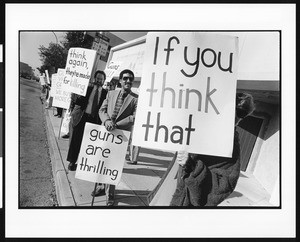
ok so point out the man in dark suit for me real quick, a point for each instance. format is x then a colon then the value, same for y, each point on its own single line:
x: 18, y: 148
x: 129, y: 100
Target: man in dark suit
x: 118, y: 111
x: 84, y: 109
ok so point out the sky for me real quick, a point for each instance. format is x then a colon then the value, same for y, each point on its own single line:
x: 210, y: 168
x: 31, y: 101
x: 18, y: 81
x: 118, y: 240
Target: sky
x: 31, y: 41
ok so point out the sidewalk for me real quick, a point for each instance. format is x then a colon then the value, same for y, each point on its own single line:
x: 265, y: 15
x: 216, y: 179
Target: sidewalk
x: 139, y: 183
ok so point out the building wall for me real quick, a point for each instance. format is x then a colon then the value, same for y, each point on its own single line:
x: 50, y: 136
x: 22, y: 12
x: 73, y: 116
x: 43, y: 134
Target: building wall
x: 265, y: 156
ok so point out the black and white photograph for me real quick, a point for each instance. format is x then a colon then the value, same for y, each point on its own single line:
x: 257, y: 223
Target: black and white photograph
x: 127, y: 119
x: 249, y: 176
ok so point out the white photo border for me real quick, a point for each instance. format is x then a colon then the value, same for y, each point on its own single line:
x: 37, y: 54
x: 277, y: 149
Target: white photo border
x: 151, y: 222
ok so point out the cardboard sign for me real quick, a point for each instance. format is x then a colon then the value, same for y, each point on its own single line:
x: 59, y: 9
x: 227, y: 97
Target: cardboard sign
x: 64, y: 129
x: 61, y: 93
x: 187, y: 93
x: 79, y: 67
x: 102, y: 154
x: 47, y: 78
x: 50, y: 89
x: 111, y: 69
x: 54, y: 84
x: 42, y: 80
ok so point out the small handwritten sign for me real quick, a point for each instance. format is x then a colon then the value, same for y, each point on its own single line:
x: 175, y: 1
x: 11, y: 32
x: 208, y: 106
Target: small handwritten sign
x: 79, y: 67
x: 102, y: 154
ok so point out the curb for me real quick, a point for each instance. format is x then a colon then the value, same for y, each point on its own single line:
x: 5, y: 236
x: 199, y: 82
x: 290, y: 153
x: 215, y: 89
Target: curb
x: 63, y: 191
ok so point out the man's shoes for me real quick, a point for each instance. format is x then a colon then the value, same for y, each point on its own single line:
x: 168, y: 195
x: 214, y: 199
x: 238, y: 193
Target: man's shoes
x: 65, y: 136
x: 56, y: 114
x: 72, y: 166
x: 110, y: 201
x: 99, y: 191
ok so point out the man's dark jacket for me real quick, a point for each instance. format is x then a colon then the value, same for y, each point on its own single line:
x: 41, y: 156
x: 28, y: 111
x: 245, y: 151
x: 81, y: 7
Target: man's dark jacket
x: 78, y: 106
x: 207, y: 180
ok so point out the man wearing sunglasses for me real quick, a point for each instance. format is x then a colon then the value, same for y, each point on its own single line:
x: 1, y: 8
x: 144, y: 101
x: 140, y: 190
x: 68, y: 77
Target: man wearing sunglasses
x: 118, y: 112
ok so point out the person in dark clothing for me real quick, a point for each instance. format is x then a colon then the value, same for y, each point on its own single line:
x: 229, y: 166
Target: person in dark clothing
x: 204, y: 180
x: 84, y: 109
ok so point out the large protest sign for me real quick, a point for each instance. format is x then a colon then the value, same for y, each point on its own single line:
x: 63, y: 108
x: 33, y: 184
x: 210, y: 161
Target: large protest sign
x: 111, y: 69
x: 187, y: 93
x: 60, y: 90
x: 102, y: 154
x: 79, y: 67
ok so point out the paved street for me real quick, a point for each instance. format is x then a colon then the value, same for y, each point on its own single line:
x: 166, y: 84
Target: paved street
x: 36, y: 179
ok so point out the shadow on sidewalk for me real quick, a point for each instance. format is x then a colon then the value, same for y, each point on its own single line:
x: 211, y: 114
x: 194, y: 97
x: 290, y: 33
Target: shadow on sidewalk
x: 157, y: 152
x: 153, y: 161
x: 144, y: 171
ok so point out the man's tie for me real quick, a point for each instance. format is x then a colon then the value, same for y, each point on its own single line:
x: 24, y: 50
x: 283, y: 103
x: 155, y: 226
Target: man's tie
x: 118, y: 106
x: 95, y: 104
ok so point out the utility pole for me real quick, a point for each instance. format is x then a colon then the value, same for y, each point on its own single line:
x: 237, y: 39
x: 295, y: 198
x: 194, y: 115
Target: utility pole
x: 55, y: 37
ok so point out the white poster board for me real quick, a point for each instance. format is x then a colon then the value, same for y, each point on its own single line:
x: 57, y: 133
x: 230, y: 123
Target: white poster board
x: 79, y: 67
x: 131, y: 56
x: 54, y: 86
x: 187, y: 93
x: 61, y: 93
x: 111, y: 69
x: 47, y: 78
x: 64, y: 129
x: 42, y: 80
x: 102, y: 154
